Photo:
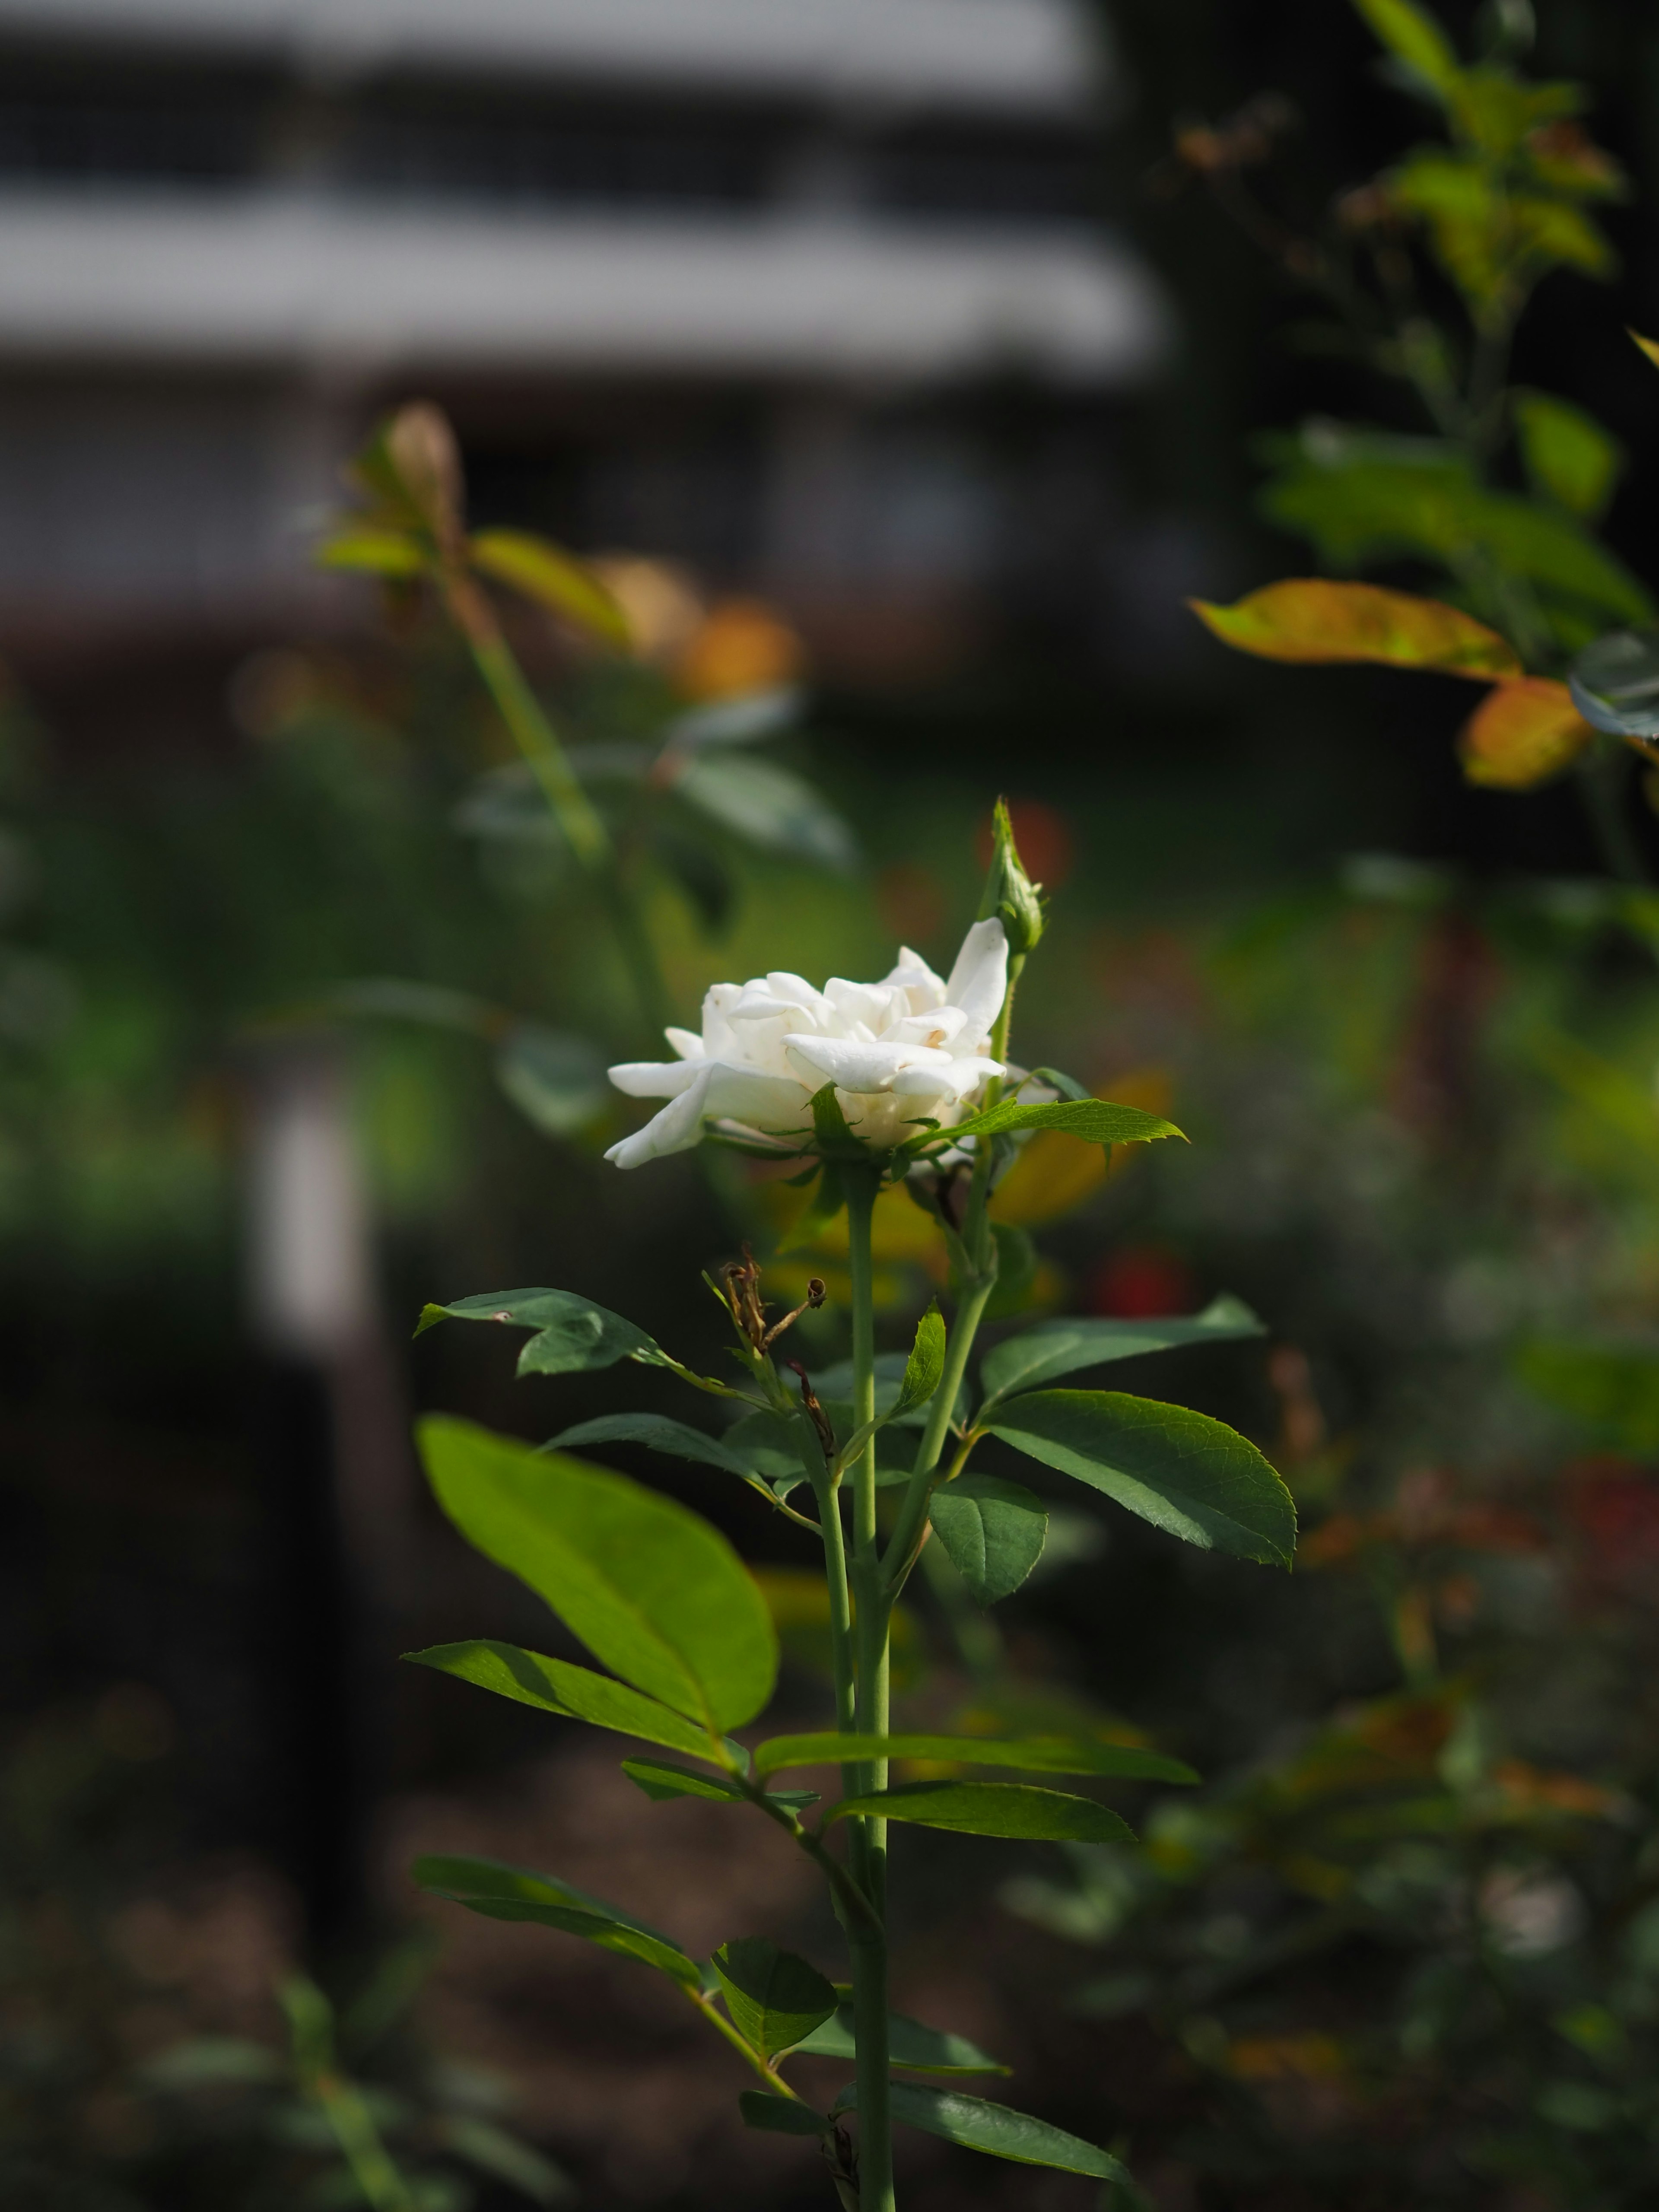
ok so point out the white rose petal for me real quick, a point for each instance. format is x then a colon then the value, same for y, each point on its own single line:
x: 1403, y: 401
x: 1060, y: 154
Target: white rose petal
x: 892, y: 1049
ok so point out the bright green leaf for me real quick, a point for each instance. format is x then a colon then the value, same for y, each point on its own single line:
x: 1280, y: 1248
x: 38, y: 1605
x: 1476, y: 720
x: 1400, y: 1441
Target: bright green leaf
x: 654, y: 1592
x: 573, y: 1334
x: 1034, y: 1755
x: 1413, y: 36
x: 991, y: 1808
x: 996, y: 2130
x: 925, y: 1369
x: 779, y: 2116
x: 1181, y: 1471
x: 992, y: 1532
x: 507, y: 1892
x: 574, y: 1694
x: 910, y: 2046
x: 375, y: 552
x: 546, y: 572
x: 774, y: 1998
x: 1566, y: 452
x: 1054, y: 1348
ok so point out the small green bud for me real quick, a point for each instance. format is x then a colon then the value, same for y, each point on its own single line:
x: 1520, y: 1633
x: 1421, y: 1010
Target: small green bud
x: 1010, y: 895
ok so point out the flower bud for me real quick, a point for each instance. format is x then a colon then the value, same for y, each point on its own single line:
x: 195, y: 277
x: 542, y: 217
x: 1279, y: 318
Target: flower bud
x: 1010, y: 896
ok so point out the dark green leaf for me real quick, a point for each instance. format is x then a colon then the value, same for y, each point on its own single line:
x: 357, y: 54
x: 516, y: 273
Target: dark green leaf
x: 1054, y: 1348
x: 572, y: 1333
x: 996, y: 2130
x: 910, y: 2046
x: 1095, y: 1120
x: 835, y: 1141
x: 925, y: 1369
x: 505, y: 2158
x: 660, y: 1781
x: 992, y: 1532
x: 507, y: 1892
x: 1613, y: 1388
x: 574, y: 1694
x: 1615, y: 683
x: 1018, y: 1809
x: 701, y: 873
x: 779, y: 2116
x: 1034, y: 1755
x: 1018, y: 1261
x: 769, y: 806
x: 652, y: 1589
x: 769, y: 1445
x: 508, y: 805
x: 1067, y: 1085
x: 1184, y: 1472
x: 677, y: 1438
x: 774, y: 1998
x: 556, y: 1080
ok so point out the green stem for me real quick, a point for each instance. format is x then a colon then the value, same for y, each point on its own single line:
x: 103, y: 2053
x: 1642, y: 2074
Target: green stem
x: 706, y: 2006
x: 869, y: 1841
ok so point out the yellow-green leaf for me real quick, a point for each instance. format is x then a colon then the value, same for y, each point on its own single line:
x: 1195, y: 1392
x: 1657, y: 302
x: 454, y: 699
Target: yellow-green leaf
x: 1522, y: 733
x: 1413, y: 36
x: 377, y: 552
x: 1650, y: 346
x: 1313, y: 618
x: 544, y: 572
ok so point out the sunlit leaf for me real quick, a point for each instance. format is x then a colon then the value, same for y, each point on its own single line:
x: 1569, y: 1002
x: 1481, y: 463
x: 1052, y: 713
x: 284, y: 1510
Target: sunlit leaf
x: 767, y: 806
x: 1312, y: 618
x: 1522, y: 734
x: 1050, y: 1754
x: 911, y: 2047
x: 1566, y: 452
x: 374, y: 552
x: 1186, y: 1474
x: 774, y: 1998
x: 1650, y: 346
x: 572, y: 1332
x: 995, y: 2130
x: 1016, y: 1809
x: 992, y: 1532
x: 653, y: 1591
x: 507, y: 1893
x: 573, y: 1692
x: 1054, y: 1348
x: 545, y: 573
x: 1614, y: 684
x: 924, y: 1371
x: 1412, y: 35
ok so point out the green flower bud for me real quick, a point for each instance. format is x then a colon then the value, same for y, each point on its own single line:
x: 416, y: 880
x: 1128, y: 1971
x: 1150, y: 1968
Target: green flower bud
x: 1010, y: 895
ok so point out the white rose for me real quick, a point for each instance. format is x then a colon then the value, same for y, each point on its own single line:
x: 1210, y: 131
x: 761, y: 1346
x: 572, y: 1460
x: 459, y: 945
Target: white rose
x: 898, y: 1050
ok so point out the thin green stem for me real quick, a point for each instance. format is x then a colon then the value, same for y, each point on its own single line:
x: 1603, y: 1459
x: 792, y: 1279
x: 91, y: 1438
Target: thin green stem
x: 869, y: 1840
x: 705, y: 2005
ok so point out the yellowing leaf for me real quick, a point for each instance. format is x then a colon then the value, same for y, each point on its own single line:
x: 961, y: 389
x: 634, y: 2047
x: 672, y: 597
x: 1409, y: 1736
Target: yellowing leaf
x: 1312, y: 618
x: 377, y: 552
x: 1522, y: 733
x: 545, y: 571
x: 1650, y: 346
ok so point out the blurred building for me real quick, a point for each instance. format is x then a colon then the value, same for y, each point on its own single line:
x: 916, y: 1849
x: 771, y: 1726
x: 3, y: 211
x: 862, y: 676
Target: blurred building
x: 811, y: 293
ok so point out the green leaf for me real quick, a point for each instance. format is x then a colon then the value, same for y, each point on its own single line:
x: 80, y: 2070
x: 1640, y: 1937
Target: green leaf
x: 574, y: 1694
x: 1036, y: 1754
x: 1615, y: 683
x: 827, y: 1198
x: 660, y: 1781
x: 742, y: 720
x: 992, y: 1532
x: 1018, y: 1809
x: 774, y: 1998
x: 910, y: 2046
x: 1062, y: 1347
x: 779, y: 2116
x: 835, y: 1141
x: 1613, y: 1388
x: 1413, y: 36
x: 493, y: 2151
x: 1184, y: 1472
x: 1018, y: 1261
x: 544, y: 572
x: 996, y: 2130
x: 507, y: 1893
x: 573, y: 1334
x: 1566, y: 454
x: 678, y: 1440
x: 1095, y: 1120
x: 925, y: 1369
x: 653, y: 1591
x: 767, y: 806
x: 374, y: 552
x: 768, y: 1446
x: 556, y: 1080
